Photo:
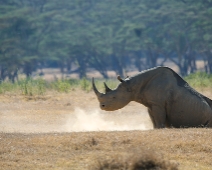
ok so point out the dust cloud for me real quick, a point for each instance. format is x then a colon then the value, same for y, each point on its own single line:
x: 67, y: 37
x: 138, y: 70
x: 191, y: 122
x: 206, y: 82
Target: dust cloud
x: 82, y: 120
x: 78, y: 120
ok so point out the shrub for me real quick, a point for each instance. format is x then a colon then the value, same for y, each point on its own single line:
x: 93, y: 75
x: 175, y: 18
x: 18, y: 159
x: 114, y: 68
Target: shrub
x: 85, y: 84
x: 61, y: 86
x: 31, y: 86
x: 199, y: 80
x: 133, y: 161
x: 7, y: 86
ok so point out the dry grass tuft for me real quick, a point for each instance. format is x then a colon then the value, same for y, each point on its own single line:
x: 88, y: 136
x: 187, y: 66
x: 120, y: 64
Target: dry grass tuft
x: 142, y: 159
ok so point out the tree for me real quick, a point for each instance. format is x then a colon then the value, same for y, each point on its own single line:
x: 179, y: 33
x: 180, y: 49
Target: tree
x: 103, y: 35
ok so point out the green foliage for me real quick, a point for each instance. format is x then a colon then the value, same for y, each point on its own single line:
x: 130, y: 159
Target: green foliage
x: 32, y: 87
x: 200, y: 80
x: 26, y: 86
x: 39, y: 86
x: 62, y: 86
x: 85, y: 84
x: 70, y: 84
x: 7, y: 86
x: 97, y: 33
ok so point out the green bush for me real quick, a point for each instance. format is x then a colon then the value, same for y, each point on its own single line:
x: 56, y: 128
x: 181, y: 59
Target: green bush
x: 7, y: 86
x: 85, y: 84
x: 31, y: 86
x: 62, y: 86
x: 199, y: 80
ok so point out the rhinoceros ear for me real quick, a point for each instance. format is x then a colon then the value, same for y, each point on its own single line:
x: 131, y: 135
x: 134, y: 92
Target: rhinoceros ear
x: 119, y: 78
x: 107, y: 89
x: 125, y: 82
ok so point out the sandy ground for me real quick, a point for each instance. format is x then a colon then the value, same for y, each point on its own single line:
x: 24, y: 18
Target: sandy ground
x: 69, y: 112
x: 73, y: 112
x: 69, y: 131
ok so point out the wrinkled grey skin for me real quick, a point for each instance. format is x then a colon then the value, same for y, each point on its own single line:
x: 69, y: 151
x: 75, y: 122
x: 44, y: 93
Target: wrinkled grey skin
x: 171, y: 102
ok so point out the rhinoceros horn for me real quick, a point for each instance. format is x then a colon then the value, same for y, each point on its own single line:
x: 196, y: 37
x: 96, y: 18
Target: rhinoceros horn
x: 119, y: 78
x: 95, y: 89
x: 107, y: 89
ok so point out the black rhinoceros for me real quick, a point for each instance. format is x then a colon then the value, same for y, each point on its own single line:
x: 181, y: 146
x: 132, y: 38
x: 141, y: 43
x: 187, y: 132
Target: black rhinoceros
x: 171, y: 102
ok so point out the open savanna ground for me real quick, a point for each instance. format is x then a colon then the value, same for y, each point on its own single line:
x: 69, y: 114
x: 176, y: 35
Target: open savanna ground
x: 68, y: 131
x: 167, y: 148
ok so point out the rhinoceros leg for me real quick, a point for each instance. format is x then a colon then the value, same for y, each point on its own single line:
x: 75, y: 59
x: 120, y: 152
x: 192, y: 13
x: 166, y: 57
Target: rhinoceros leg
x: 158, y: 117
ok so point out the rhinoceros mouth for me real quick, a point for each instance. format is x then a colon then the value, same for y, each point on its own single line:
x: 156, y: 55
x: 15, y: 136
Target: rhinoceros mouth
x: 106, y: 108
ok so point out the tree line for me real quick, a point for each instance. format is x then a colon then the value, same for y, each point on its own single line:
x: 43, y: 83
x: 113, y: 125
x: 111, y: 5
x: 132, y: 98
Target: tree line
x: 103, y: 35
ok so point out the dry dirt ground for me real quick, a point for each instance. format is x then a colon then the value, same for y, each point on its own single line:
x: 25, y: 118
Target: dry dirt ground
x: 68, y: 131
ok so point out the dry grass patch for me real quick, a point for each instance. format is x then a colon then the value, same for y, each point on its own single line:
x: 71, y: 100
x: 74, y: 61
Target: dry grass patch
x: 157, y: 149
x: 133, y: 160
x: 154, y: 149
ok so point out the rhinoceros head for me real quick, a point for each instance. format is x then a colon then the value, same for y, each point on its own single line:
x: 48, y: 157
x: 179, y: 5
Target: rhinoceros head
x: 114, y: 99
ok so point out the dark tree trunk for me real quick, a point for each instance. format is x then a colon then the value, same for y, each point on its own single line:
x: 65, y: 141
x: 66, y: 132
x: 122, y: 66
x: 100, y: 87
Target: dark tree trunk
x: 138, y: 61
x: 68, y: 61
x: 181, y: 63
x: 13, y: 75
x: 29, y: 67
x: 117, y: 66
x: 209, y: 61
x: 100, y: 65
x: 3, y: 74
x: 62, y: 67
x: 151, y: 58
x: 82, y: 61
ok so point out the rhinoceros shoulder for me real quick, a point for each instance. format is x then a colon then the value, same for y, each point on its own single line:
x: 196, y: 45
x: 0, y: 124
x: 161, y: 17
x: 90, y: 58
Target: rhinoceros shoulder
x: 180, y: 80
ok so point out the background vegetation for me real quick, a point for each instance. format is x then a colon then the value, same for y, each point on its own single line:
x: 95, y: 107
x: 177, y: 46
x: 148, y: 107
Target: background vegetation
x: 39, y: 86
x: 79, y: 35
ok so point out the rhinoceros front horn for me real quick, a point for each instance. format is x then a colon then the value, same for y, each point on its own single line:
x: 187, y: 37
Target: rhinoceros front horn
x: 95, y: 89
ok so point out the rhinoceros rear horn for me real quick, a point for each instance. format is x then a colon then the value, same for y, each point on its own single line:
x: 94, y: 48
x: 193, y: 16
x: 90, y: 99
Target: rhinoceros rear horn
x: 95, y: 89
x: 119, y: 78
x: 107, y: 89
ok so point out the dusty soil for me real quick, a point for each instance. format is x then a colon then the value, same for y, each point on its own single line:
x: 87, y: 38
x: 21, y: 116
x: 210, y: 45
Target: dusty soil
x: 68, y: 131
x: 75, y: 111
